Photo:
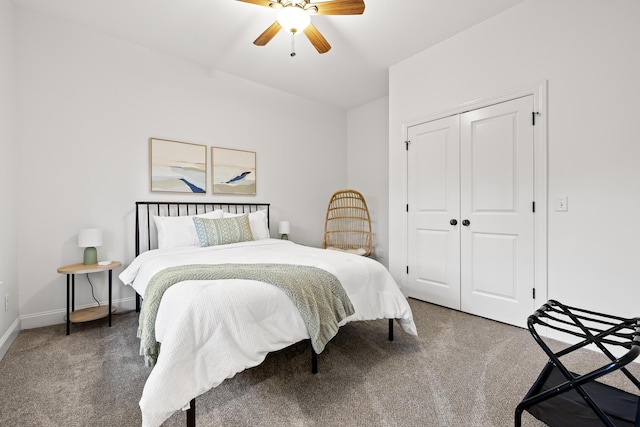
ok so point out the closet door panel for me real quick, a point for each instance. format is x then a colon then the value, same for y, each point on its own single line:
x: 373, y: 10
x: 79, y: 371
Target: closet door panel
x: 433, y: 202
x: 493, y: 163
x: 493, y: 266
x: 496, y: 199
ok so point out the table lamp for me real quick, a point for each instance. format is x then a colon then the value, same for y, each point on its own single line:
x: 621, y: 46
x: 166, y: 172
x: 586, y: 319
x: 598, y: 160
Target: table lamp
x: 284, y: 228
x: 88, y: 239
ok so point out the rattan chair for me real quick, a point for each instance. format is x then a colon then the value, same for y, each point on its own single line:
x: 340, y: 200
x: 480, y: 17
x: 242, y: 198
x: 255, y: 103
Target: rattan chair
x: 348, y: 225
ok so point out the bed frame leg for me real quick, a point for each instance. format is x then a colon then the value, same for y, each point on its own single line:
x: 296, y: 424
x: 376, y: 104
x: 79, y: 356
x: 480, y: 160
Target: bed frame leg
x: 191, y: 414
x: 137, y: 303
x: 390, y: 329
x: 314, y: 361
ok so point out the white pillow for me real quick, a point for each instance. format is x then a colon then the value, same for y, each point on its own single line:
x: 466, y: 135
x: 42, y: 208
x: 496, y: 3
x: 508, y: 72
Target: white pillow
x: 359, y: 251
x: 177, y: 231
x: 257, y: 221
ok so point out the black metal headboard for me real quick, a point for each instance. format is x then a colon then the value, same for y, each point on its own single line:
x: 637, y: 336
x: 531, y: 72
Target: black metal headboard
x: 146, y: 210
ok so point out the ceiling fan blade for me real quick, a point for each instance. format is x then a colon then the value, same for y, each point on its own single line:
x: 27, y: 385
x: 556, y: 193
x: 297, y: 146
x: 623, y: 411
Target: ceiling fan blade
x: 268, y: 34
x: 266, y: 3
x: 340, y: 7
x: 317, y: 40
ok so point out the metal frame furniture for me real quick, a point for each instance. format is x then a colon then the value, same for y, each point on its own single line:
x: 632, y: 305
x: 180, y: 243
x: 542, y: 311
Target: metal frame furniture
x: 90, y: 313
x: 145, y: 227
x: 145, y: 240
x: 560, y: 397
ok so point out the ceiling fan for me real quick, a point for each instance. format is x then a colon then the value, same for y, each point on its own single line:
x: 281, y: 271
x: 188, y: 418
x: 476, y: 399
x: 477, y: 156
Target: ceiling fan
x: 295, y: 16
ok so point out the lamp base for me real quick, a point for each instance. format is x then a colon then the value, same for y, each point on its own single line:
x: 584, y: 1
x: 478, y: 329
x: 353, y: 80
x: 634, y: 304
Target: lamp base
x: 285, y: 237
x: 90, y: 256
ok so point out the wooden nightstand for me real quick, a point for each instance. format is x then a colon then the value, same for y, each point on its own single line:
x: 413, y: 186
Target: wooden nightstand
x: 91, y: 313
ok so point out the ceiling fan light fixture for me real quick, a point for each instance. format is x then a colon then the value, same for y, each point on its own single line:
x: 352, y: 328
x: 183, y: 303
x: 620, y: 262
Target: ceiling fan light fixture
x: 293, y: 19
x: 295, y: 16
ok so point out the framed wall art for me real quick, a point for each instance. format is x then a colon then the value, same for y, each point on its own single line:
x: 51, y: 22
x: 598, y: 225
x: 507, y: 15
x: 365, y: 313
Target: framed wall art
x: 178, y: 167
x: 233, y: 171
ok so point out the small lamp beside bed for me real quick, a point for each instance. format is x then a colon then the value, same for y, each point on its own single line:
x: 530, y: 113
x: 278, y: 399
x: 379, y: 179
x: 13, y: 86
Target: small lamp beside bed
x: 284, y: 228
x: 88, y: 239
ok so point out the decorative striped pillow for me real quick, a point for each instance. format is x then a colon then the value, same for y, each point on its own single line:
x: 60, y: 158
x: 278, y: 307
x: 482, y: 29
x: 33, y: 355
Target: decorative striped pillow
x: 223, y: 231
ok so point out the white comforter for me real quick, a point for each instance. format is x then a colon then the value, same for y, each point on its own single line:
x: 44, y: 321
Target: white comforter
x: 211, y: 330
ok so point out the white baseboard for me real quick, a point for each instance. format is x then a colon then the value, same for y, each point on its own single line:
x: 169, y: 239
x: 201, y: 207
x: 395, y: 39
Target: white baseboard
x: 9, y: 337
x: 55, y: 317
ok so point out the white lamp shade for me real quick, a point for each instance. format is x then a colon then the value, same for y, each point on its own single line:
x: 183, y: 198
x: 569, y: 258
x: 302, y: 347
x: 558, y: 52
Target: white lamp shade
x: 284, y: 227
x: 89, y: 238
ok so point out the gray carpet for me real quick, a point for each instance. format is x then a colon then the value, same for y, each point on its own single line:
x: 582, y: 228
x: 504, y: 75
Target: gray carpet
x: 462, y: 370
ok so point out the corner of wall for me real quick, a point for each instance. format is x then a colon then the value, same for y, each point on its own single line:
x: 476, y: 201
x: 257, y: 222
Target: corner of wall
x: 9, y: 337
x: 9, y: 318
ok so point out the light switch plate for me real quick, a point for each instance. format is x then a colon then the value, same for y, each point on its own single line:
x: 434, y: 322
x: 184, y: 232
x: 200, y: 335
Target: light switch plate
x: 562, y: 204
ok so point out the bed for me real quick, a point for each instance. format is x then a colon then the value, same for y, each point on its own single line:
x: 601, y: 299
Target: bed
x: 211, y: 327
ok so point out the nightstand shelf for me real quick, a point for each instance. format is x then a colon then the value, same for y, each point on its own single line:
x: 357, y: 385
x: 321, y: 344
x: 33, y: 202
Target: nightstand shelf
x: 90, y: 313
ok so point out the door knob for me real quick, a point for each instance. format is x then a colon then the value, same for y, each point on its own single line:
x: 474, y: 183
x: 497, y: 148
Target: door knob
x: 466, y: 222
x: 453, y: 222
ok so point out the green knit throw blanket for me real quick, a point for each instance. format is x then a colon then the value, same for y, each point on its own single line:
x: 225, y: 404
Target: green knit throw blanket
x: 316, y: 293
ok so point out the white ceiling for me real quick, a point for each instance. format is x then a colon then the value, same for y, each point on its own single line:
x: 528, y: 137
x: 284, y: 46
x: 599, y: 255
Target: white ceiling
x: 219, y: 34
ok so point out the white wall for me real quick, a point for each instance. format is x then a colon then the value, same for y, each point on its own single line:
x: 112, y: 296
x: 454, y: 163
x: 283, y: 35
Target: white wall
x: 368, y: 166
x: 88, y: 104
x: 9, y: 322
x: 588, y: 52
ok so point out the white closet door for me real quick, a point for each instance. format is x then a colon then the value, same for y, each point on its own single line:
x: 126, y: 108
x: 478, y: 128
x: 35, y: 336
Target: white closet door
x: 434, y: 203
x: 496, y: 187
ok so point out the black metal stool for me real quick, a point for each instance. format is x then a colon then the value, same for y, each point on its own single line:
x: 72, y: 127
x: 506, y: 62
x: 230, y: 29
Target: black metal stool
x: 563, y: 398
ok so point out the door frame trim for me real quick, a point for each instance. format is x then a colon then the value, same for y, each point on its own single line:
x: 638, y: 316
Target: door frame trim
x: 540, y: 158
